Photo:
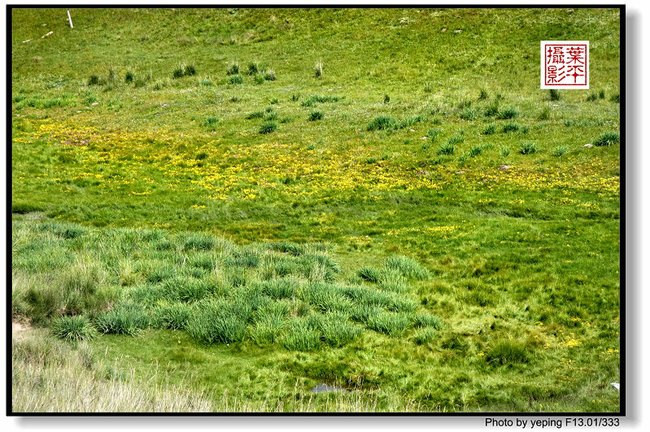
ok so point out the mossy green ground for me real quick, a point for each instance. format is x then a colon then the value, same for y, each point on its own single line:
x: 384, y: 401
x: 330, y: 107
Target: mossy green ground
x: 492, y: 191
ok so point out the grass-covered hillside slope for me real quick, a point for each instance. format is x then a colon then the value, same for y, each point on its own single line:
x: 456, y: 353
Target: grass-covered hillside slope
x: 247, y: 203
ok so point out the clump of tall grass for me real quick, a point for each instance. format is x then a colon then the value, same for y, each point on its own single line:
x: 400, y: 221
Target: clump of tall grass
x: 127, y: 319
x: 554, y: 94
x: 427, y: 320
x: 300, y: 336
x: 607, y: 139
x: 210, y: 123
x: 559, y: 151
x: 507, y: 353
x: 383, y: 123
x: 390, y: 323
x: 219, y: 321
x: 318, y: 69
x: 73, y: 328
x: 424, y: 336
x: 268, y: 127
x: 369, y: 274
x: 233, y: 69
x: 507, y: 113
x: 236, y: 79
x: 489, y: 130
x: 316, y: 115
x: 316, y: 99
x: 279, y: 288
x: 171, y: 316
x: 408, y: 267
x: 326, y: 297
x: 184, y: 70
x: 334, y: 328
x: 269, y: 75
x: 510, y: 127
x: 527, y: 148
x: 447, y: 148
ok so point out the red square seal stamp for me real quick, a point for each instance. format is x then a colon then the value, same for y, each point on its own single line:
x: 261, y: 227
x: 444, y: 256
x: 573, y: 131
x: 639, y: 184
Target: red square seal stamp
x: 564, y: 65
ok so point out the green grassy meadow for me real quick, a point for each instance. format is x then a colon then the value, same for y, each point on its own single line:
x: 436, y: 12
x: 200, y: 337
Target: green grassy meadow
x: 219, y: 209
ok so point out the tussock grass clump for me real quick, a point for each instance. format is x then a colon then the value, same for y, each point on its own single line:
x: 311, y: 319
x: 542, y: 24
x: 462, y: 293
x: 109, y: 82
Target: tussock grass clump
x: 268, y: 127
x: 94, y: 80
x: 489, y: 130
x: 318, y: 69
x: 554, y: 94
x: 392, y: 280
x: 507, y: 113
x: 408, y: 267
x: 510, y: 127
x: 316, y: 115
x: 492, y: 110
x: 607, y: 139
x: 317, y: 99
x: 288, y: 248
x: 253, y: 68
x: 559, y: 151
x: 327, y: 297
x: 545, y: 114
x: 483, y: 95
x: 427, y: 320
x: 233, y: 69
x: 300, y: 336
x: 269, y: 75
x: 424, y: 336
x: 468, y: 113
x: 186, y: 289
x: 334, y: 328
x: 527, y: 148
x: 475, y: 150
x: 255, y: 115
x: 383, y: 123
x: 236, y: 79
x: 390, y: 323
x: 184, y: 70
x: 73, y: 328
x: 173, y: 316
x: 189, y: 70
x: 447, y: 148
x: 433, y: 134
x: 369, y: 274
x: 507, y: 353
x: 210, y: 123
x: 198, y: 242
x: 219, y: 321
x: 279, y: 288
x: 129, y: 77
x: 127, y: 319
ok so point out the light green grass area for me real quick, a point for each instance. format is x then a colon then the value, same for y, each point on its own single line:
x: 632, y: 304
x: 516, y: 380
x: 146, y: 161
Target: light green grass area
x: 245, y: 203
